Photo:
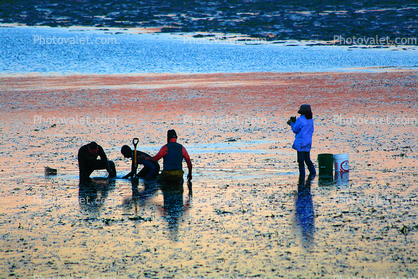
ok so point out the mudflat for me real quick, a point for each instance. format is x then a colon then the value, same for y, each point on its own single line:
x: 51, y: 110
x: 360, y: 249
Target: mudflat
x: 245, y: 217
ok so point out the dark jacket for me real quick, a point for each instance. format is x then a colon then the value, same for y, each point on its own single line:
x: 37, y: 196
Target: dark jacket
x: 174, y: 158
x: 86, y: 160
x: 140, y: 154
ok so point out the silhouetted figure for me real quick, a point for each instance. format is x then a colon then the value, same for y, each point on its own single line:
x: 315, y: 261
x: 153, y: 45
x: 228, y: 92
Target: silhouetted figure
x: 173, y: 154
x: 150, y: 170
x: 87, y: 161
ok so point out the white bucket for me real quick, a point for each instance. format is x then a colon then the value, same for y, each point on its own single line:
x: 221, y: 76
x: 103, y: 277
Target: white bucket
x: 341, y: 162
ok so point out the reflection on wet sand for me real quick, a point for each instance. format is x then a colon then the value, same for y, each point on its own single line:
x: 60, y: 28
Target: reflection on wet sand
x: 139, y: 198
x: 174, y: 206
x: 305, y: 220
x: 240, y: 223
x: 94, y: 192
x: 340, y: 179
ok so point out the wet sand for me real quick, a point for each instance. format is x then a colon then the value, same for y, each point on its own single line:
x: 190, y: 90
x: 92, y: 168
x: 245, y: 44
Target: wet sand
x: 245, y: 217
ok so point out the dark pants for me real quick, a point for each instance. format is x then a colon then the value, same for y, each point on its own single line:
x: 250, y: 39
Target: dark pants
x: 99, y: 165
x: 305, y: 158
x: 148, y: 171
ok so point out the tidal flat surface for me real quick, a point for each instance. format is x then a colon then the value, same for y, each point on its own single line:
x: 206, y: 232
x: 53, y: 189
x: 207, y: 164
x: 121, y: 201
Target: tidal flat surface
x: 245, y: 217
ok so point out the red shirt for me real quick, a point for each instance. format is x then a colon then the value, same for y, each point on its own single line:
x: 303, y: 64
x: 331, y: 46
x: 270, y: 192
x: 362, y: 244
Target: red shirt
x: 164, y: 150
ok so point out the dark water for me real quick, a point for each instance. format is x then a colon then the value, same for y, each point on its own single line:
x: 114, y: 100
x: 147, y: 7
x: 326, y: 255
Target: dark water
x: 69, y: 51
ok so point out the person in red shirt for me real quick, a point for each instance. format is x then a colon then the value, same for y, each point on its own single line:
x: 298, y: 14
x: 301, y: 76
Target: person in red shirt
x: 173, y: 154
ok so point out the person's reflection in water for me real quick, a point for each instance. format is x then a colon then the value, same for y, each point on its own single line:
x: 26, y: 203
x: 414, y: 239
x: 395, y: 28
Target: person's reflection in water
x: 305, y: 213
x: 93, y: 193
x: 140, y: 197
x: 174, y: 206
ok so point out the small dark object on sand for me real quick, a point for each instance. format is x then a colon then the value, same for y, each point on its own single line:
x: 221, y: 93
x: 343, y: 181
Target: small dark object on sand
x: 404, y: 230
x: 50, y: 171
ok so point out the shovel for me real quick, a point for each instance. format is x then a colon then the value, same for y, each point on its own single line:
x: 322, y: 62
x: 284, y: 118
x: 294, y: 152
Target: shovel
x: 135, y: 158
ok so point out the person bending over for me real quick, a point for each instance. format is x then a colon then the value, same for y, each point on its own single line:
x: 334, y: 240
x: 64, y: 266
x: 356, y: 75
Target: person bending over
x: 88, y: 162
x: 150, y: 170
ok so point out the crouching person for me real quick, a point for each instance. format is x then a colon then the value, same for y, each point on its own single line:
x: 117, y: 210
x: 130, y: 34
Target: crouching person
x: 150, y: 170
x: 88, y: 162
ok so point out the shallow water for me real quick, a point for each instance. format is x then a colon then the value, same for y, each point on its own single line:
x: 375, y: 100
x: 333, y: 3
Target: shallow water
x: 86, y: 51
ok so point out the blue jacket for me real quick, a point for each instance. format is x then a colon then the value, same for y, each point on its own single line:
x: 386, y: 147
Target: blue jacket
x: 303, y: 128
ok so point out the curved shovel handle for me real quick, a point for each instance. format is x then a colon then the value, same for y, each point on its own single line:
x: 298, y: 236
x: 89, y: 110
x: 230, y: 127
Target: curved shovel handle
x: 135, y: 142
x: 135, y: 159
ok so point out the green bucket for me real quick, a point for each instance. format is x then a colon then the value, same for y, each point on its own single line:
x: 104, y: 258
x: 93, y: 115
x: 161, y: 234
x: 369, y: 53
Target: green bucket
x: 325, y: 165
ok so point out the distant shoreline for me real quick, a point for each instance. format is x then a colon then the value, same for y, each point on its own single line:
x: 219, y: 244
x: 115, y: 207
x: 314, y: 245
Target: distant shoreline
x: 204, y: 37
x: 271, y: 21
x: 233, y: 38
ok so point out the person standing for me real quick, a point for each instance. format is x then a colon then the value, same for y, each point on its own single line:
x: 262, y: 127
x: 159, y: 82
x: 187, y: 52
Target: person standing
x: 303, y: 127
x: 87, y: 161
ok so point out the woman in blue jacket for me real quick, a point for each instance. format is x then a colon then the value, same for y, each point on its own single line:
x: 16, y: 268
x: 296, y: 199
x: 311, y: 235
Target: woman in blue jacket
x: 303, y: 128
